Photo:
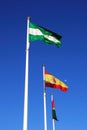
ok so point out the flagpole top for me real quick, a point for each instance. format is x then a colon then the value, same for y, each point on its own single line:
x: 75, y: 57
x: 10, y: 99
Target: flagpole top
x: 28, y: 17
x: 43, y: 65
x: 51, y: 95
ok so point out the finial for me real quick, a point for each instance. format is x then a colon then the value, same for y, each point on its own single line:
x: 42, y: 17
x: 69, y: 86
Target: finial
x: 28, y: 17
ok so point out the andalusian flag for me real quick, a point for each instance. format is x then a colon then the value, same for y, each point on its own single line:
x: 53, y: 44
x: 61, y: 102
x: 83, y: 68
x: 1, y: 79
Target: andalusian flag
x: 39, y: 33
x: 53, y: 109
x: 53, y: 82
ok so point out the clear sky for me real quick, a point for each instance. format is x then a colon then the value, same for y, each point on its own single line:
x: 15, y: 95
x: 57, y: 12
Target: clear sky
x: 69, y: 62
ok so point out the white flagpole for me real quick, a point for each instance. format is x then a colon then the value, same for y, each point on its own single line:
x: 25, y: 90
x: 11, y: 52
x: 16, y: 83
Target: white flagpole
x: 25, y: 118
x: 45, y: 118
x: 53, y: 121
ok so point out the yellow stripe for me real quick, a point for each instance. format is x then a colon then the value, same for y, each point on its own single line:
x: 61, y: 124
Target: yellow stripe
x: 51, y: 79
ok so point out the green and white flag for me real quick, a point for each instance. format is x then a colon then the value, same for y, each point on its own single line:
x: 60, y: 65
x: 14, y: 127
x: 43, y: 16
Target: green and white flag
x: 39, y: 33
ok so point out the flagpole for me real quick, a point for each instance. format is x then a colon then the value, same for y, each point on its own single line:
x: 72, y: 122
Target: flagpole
x: 25, y: 116
x: 53, y: 121
x: 45, y: 118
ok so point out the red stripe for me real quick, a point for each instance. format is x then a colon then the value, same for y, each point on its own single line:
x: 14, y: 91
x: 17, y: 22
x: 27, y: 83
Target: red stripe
x: 47, y: 72
x: 53, y: 105
x: 64, y: 89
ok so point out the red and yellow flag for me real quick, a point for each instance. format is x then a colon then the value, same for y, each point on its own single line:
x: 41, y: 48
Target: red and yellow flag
x: 53, y: 82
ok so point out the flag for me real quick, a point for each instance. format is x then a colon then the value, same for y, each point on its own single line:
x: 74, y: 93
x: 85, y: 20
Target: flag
x: 53, y: 82
x: 40, y: 33
x: 53, y: 109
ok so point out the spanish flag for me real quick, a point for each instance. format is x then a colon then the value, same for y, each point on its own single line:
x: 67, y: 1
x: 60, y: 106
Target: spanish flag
x: 53, y: 82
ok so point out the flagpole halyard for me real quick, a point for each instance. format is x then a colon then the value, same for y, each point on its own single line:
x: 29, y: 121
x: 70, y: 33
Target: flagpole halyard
x: 45, y: 115
x: 25, y: 116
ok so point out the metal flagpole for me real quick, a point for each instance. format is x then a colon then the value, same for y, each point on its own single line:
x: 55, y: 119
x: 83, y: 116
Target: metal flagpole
x: 53, y: 121
x: 45, y: 118
x: 25, y: 118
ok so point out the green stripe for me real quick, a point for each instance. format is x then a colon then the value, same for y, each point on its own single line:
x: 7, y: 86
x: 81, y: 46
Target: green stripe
x: 34, y: 38
x: 54, y: 114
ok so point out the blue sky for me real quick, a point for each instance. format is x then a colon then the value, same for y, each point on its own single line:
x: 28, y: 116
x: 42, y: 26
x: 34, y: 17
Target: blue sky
x: 69, y: 62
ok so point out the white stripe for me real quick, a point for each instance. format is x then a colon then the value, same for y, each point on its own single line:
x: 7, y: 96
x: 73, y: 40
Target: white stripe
x: 53, y: 108
x: 35, y: 31
x: 51, y: 38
